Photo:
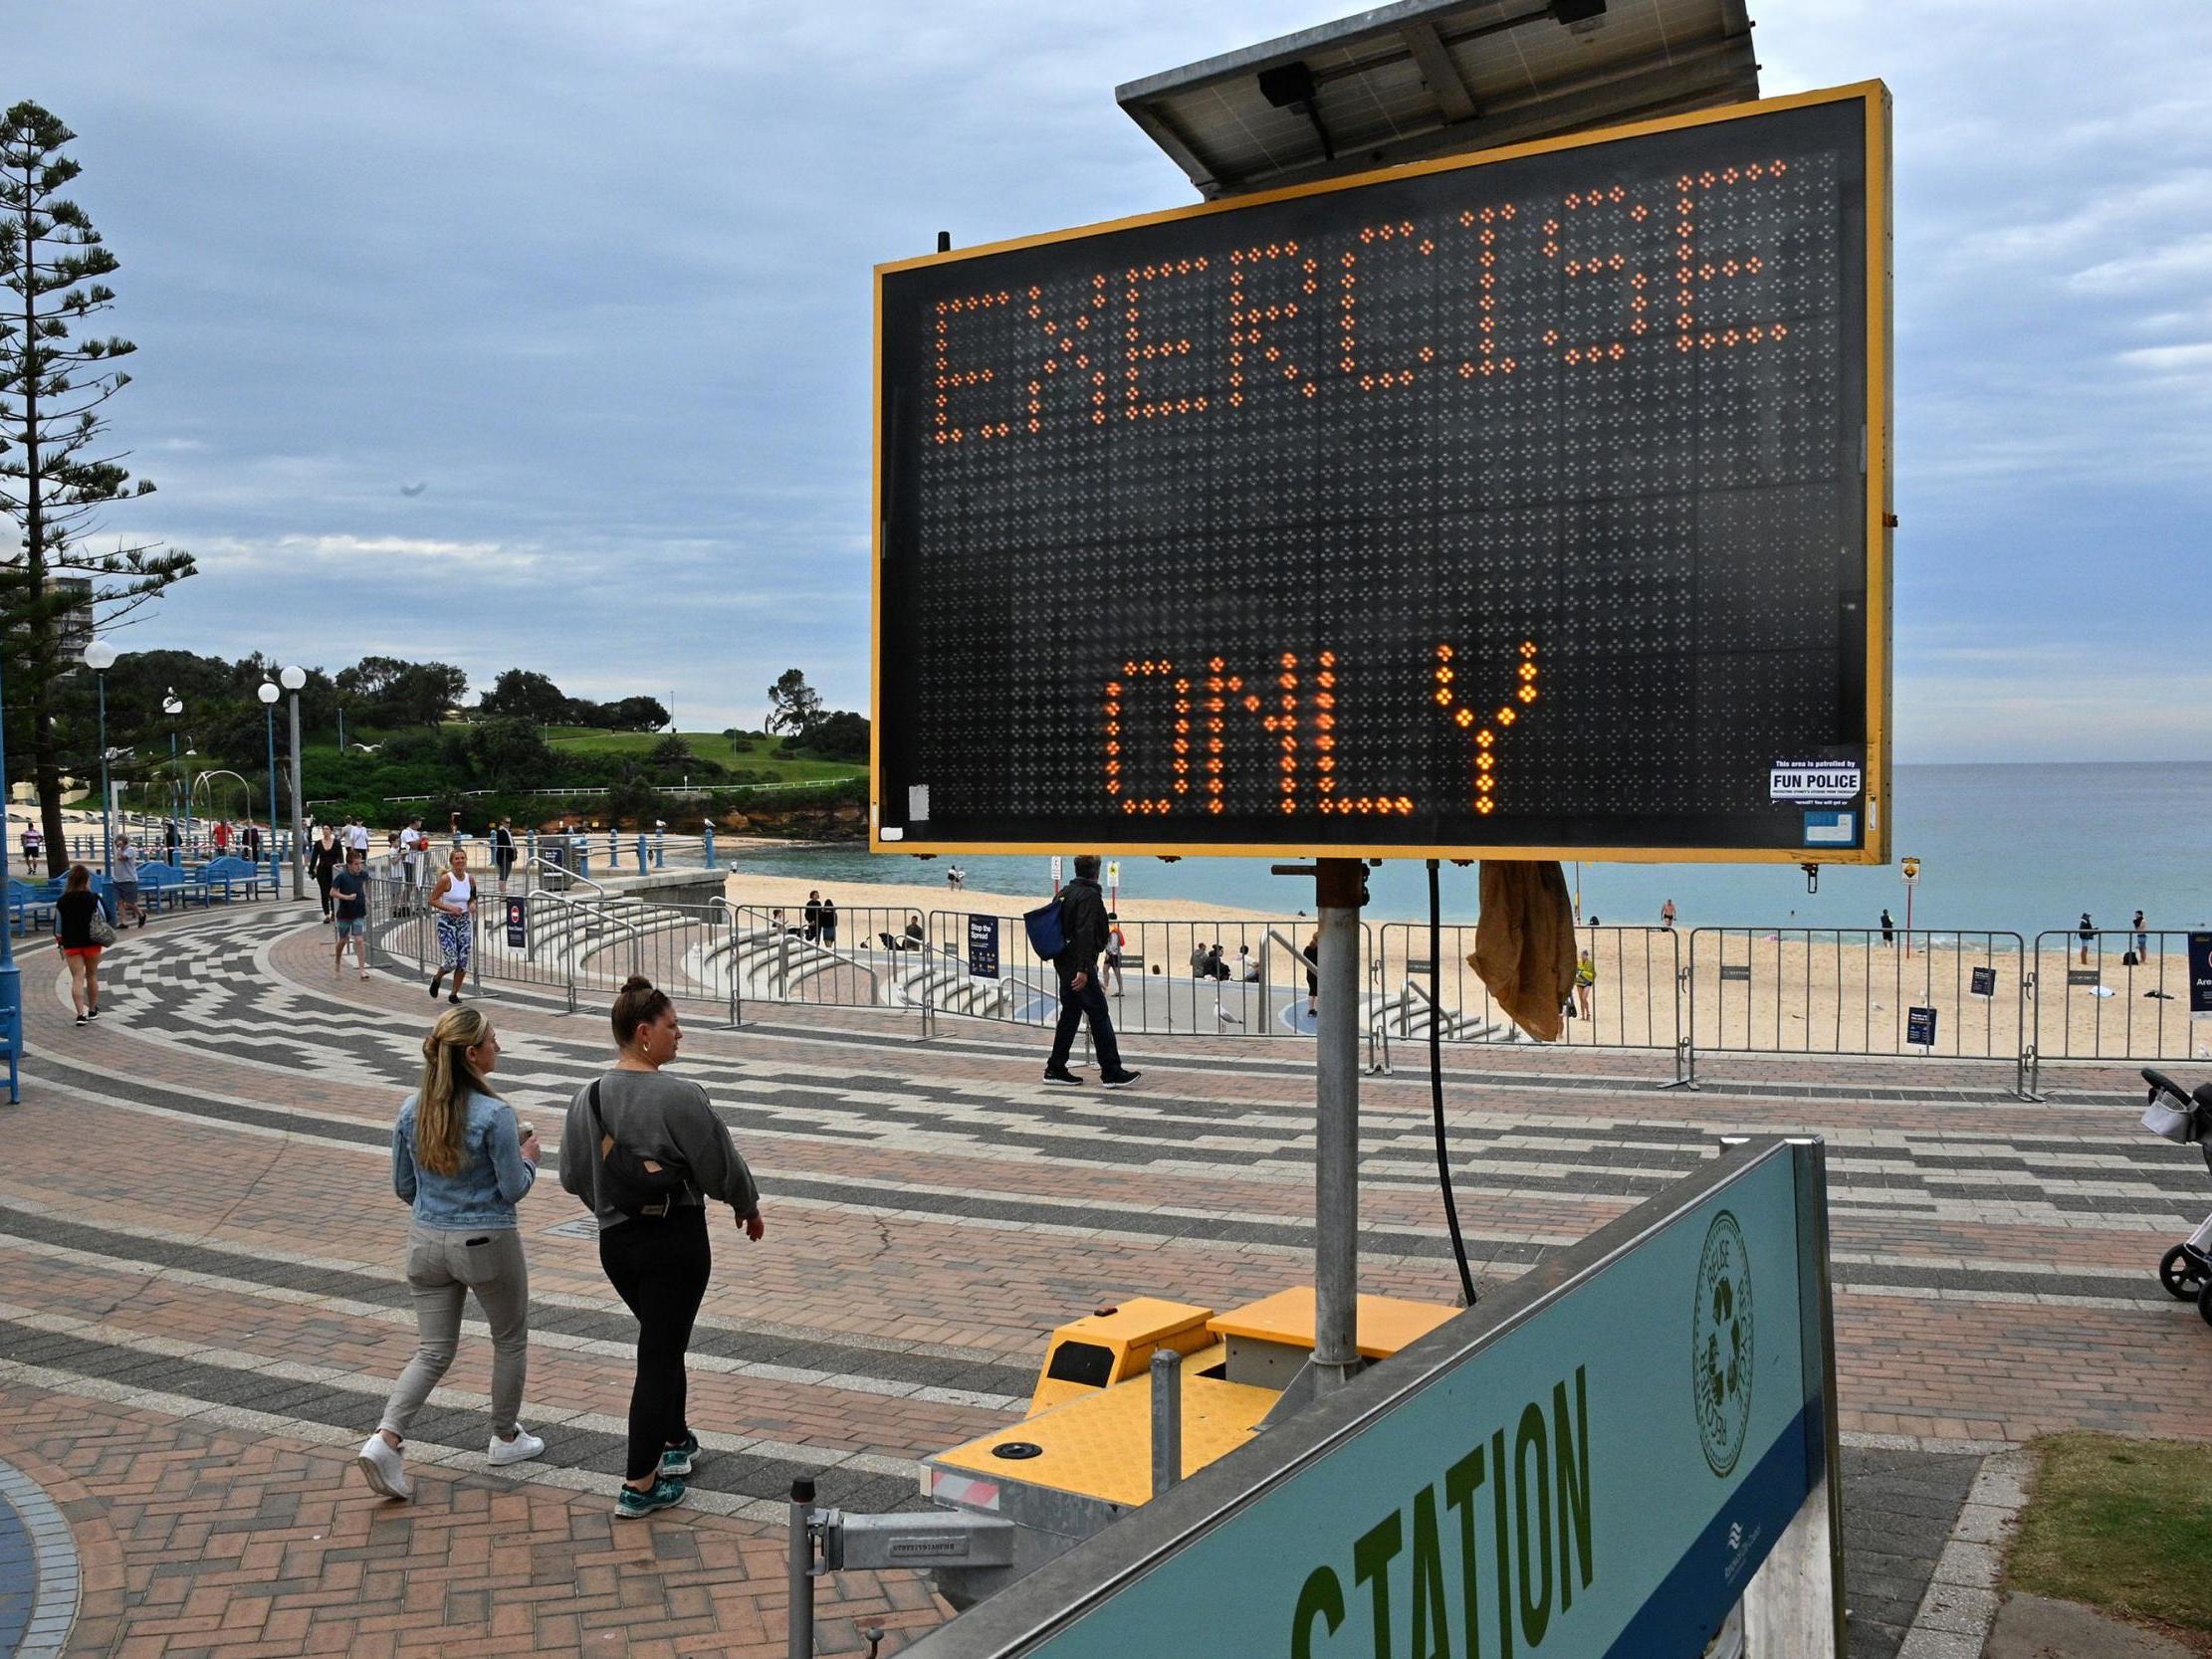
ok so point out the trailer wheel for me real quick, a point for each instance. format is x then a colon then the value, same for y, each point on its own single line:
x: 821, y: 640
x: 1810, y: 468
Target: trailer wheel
x: 2179, y: 1274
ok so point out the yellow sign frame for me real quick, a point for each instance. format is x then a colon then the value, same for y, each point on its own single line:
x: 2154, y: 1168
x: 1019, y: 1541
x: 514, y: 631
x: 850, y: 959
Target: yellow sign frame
x: 1880, y: 506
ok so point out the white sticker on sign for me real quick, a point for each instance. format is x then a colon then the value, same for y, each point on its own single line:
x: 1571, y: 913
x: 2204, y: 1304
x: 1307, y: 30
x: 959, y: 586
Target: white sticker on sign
x: 1815, y: 780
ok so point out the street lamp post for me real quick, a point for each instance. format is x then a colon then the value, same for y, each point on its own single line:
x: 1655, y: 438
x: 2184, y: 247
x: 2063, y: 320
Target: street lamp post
x: 174, y: 706
x: 99, y: 657
x: 269, y: 693
x: 292, y: 678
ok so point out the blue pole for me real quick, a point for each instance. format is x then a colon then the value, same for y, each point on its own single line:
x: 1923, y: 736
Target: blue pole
x: 11, y: 976
x: 172, y: 800
x: 641, y: 854
x: 709, y: 833
x: 268, y: 724
x: 107, y: 809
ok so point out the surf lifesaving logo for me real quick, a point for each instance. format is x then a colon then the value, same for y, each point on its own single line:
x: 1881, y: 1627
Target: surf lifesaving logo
x: 1720, y: 1345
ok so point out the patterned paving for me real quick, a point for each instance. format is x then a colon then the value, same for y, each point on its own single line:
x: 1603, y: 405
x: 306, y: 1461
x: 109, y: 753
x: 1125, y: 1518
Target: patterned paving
x: 198, y: 1248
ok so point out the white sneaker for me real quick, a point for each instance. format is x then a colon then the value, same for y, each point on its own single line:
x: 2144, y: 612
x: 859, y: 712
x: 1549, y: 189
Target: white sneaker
x: 521, y: 1449
x: 385, y: 1469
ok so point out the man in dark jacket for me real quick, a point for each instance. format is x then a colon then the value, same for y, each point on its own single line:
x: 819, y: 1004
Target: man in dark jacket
x: 1083, y: 921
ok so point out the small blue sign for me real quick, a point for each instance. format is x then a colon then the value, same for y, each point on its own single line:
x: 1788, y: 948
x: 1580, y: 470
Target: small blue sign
x: 1825, y: 828
x: 983, y: 946
x: 1919, y: 1026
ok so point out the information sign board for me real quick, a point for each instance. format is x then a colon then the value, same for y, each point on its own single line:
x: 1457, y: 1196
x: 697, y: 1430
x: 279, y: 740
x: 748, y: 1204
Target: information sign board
x: 2200, y: 975
x: 983, y: 946
x: 1598, y: 1475
x: 1984, y: 981
x: 518, y: 922
x: 1919, y: 1027
x: 1531, y: 501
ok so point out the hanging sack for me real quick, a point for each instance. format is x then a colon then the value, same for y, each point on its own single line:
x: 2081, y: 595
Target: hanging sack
x: 1047, y: 927
x: 626, y: 1183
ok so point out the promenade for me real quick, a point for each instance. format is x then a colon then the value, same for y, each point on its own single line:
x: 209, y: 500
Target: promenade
x: 201, y: 1310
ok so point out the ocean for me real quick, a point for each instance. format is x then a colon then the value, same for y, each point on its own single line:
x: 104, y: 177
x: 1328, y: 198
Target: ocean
x: 2023, y: 847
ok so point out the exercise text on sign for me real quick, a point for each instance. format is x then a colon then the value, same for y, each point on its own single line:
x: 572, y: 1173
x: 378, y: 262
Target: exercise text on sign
x: 1294, y: 310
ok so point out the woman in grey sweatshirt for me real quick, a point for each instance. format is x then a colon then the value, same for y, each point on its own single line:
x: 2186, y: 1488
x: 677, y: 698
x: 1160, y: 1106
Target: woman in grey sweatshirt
x: 655, y: 1255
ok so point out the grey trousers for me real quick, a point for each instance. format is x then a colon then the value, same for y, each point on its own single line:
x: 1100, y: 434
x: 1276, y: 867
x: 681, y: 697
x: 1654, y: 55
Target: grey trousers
x: 443, y: 1267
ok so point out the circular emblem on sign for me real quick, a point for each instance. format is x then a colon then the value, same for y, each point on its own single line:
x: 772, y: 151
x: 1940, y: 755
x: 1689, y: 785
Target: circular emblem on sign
x: 1720, y: 1345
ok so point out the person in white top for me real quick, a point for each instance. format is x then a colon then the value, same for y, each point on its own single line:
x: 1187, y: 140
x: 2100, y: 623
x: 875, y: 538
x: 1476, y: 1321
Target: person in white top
x: 356, y: 836
x: 413, y: 844
x: 453, y: 902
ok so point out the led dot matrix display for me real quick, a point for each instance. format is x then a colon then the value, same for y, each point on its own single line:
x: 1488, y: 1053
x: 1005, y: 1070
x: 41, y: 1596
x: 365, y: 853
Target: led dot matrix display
x: 1532, y: 503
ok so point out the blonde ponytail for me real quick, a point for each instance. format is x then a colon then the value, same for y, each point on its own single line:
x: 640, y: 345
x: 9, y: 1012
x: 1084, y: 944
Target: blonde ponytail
x: 441, y: 1103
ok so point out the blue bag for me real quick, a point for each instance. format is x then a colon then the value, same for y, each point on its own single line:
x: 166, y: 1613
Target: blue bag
x: 1047, y: 930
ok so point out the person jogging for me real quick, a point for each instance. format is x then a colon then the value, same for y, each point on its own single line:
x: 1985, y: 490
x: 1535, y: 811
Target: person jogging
x: 350, y: 891
x: 461, y: 1162
x: 1083, y: 925
x: 645, y: 1153
x: 453, y: 902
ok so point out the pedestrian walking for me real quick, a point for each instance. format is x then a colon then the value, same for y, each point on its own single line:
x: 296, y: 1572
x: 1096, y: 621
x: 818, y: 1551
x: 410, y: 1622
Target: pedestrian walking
x: 1586, y: 980
x: 502, y: 851
x: 2087, y: 934
x: 1116, y: 942
x: 1083, y: 926
x: 349, y: 893
x: 169, y: 842
x: 916, y: 936
x: 414, y: 846
x: 2143, y: 938
x: 462, y: 1162
x: 1888, y: 928
x: 1313, y: 973
x: 222, y: 837
x: 453, y: 902
x: 34, y: 846
x: 813, y: 914
x: 830, y: 923
x: 324, y: 859
x: 355, y: 838
x: 253, y: 843
x: 1666, y: 915
x: 646, y: 1155
x: 78, y: 928
x: 127, y: 884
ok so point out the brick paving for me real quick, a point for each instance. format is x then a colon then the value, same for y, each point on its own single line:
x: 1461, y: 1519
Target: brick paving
x: 200, y: 1305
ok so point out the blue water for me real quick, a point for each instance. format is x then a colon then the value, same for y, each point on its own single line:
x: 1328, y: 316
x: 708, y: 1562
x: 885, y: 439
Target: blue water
x: 2016, y: 847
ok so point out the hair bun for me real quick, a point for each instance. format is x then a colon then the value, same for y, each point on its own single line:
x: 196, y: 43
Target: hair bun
x: 636, y: 982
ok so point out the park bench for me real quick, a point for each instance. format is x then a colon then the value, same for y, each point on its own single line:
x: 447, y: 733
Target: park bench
x: 163, y: 886
x: 230, y: 874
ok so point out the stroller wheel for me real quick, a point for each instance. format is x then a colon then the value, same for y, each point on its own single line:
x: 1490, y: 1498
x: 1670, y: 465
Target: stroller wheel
x: 2180, y: 1275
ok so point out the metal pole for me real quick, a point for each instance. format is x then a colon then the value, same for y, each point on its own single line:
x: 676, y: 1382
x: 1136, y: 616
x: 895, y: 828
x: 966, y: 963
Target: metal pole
x: 799, y: 1620
x: 11, y: 976
x: 269, y: 726
x: 340, y: 739
x: 107, y: 808
x: 298, y: 866
x: 1167, y: 1420
x: 1336, y: 1218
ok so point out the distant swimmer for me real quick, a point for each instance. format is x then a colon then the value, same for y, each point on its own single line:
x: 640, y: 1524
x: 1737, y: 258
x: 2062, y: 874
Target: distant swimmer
x: 1666, y: 915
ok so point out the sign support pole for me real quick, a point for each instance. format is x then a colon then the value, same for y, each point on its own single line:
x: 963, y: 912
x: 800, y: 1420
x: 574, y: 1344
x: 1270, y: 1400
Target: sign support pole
x: 1339, y: 890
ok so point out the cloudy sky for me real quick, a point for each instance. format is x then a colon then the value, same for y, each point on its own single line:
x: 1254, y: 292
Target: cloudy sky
x: 597, y: 276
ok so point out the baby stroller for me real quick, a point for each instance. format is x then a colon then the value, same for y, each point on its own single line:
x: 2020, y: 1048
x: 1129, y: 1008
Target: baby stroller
x: 2186, y: 1269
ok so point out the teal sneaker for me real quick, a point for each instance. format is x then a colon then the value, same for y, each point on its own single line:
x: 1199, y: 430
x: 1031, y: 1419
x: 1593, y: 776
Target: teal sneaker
x: 675, y: 1460
x: 665, y: 1494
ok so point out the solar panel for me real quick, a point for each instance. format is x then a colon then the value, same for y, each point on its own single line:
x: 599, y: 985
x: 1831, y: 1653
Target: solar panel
x: 1430, y: 77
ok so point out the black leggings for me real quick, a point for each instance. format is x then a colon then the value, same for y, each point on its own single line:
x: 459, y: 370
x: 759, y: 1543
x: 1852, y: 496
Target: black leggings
x: 323, y: 877
x: 659, y: 1268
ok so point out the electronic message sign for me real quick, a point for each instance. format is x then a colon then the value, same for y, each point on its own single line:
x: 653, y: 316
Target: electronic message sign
x: 1532, y: 503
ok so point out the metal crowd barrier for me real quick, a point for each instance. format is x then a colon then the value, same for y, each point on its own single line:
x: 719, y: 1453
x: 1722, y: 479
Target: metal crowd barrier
x: 1958, y: 996
x: 1631, y: 1001
x: 2110, y: 995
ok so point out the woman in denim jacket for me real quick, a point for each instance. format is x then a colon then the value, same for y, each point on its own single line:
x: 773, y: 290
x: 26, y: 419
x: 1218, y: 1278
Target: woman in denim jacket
x: 460, y: 1160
